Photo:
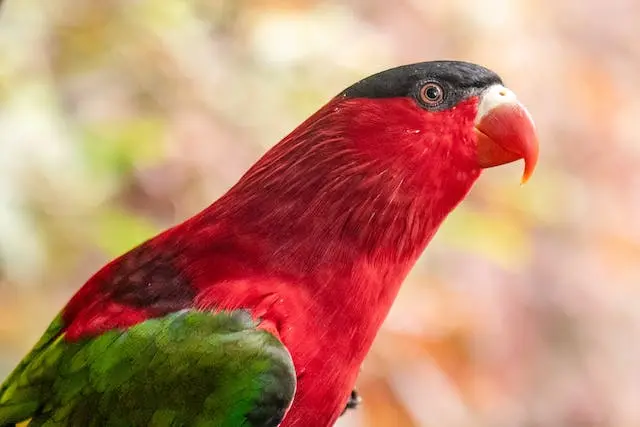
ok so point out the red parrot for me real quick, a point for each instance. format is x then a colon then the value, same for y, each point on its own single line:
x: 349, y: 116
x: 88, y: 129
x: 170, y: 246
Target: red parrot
x: 259, y: 310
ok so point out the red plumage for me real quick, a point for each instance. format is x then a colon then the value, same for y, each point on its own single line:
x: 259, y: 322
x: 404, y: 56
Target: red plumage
x: 315, y: 240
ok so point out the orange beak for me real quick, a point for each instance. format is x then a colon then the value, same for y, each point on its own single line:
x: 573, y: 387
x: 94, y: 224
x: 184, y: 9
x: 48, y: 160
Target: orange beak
x: 505, y: 132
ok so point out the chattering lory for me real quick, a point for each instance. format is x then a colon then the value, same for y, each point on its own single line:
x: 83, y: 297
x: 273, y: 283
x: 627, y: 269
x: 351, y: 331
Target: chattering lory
x: 259, y: 310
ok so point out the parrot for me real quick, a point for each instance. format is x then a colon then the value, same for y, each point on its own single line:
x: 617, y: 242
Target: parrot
x: 260, y: 309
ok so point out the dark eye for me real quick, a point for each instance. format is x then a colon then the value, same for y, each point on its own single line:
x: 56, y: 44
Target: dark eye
x: 431, y: 94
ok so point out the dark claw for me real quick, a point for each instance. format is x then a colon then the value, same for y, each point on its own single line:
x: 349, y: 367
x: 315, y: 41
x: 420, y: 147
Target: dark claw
x: 354, y: 401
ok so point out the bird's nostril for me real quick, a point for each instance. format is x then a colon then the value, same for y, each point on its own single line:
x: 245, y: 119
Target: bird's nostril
x: 503, y: 92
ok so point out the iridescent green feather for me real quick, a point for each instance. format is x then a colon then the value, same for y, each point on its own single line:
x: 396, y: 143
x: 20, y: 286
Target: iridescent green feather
x: 186, y: 369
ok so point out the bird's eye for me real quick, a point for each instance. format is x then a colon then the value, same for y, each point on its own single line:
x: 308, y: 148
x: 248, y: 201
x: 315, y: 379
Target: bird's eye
x: 431, y: 94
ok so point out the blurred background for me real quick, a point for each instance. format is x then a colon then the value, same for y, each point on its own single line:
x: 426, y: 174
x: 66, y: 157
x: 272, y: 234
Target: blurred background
x: 120, y: 118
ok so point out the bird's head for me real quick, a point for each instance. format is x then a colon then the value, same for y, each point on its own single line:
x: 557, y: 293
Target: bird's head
x: 440, y: 115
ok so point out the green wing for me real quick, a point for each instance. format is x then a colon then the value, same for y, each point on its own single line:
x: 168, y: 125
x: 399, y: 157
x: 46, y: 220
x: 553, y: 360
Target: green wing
x: 188, y: 368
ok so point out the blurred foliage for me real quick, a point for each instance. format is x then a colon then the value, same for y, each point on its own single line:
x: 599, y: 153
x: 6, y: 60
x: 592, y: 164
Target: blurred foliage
x: 120, y: 118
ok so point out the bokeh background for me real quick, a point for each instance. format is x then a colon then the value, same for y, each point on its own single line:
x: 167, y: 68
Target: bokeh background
x: 119, y: 118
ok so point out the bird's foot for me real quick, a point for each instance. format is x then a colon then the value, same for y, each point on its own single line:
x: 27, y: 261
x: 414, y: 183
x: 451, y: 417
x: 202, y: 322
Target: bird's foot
x: 354, y: 401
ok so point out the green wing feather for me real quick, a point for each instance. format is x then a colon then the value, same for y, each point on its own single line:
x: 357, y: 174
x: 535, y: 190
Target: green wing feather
x: 188, y: 368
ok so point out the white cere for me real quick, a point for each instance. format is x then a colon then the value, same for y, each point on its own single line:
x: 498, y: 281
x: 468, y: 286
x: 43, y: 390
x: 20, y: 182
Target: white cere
x: 498, y: 95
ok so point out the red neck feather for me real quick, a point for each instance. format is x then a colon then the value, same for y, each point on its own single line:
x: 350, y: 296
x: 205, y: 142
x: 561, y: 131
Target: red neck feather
x: 346, y: 203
